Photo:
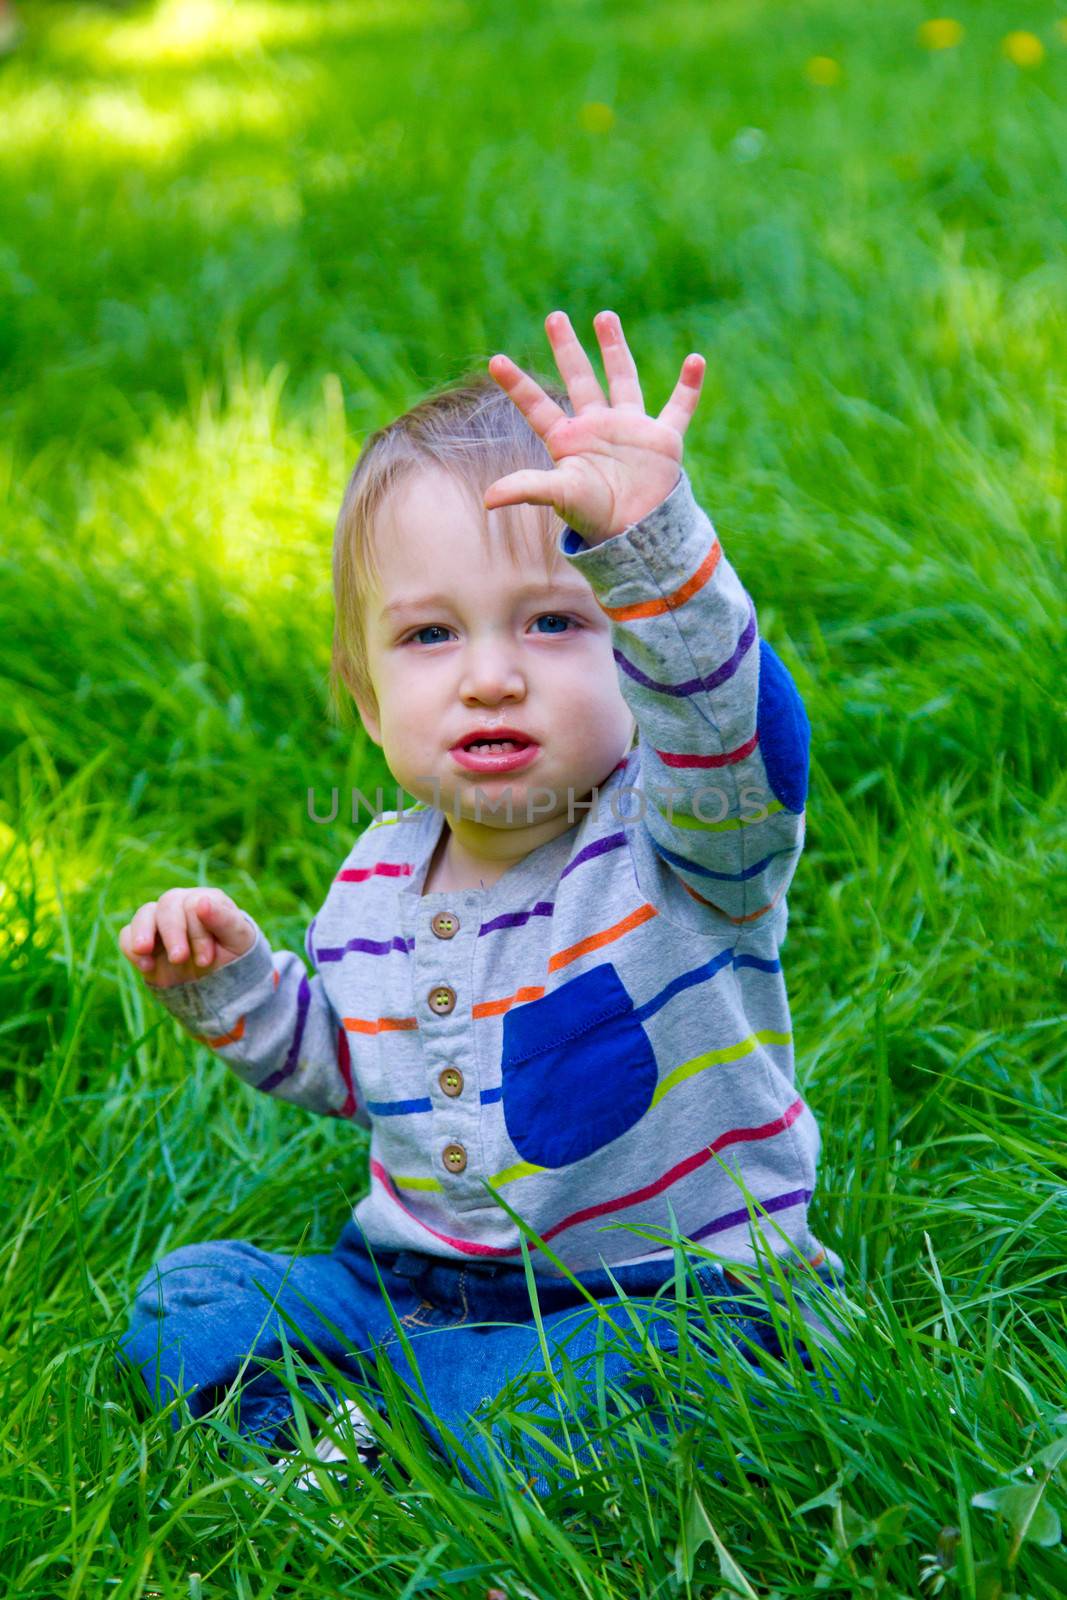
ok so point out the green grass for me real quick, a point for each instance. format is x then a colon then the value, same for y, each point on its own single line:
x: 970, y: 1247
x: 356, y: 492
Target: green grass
x: 233, y: 238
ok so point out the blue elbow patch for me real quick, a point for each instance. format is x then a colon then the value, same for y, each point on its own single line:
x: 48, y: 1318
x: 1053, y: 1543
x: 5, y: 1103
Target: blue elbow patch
x: 784, y: 730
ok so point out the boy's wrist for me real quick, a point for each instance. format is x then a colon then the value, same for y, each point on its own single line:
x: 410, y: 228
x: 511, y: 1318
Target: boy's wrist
x: 660, y: 550
x: 204, y: 998
x: 636, y: 513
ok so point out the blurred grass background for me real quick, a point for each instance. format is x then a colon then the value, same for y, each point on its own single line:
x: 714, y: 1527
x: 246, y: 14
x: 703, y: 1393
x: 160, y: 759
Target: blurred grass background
x: 233, y: 239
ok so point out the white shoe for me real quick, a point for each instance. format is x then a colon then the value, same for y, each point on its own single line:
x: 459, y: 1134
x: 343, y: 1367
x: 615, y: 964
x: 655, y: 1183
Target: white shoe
x: 349, y: 1422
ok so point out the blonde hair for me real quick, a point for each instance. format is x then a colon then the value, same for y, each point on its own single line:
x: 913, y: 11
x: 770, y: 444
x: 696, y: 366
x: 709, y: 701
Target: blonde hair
x: 474, y: 432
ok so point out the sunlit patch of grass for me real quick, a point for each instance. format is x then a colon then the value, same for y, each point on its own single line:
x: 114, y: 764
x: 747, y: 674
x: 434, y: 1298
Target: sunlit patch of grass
x: 183, y: 33
x: 109, y: 123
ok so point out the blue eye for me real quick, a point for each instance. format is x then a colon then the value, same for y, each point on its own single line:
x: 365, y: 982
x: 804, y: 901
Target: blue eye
x: 564, y: 623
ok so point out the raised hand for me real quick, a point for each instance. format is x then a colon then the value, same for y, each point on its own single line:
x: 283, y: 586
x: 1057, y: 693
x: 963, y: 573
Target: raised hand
x: 613, y: 462
x: 185, y: 934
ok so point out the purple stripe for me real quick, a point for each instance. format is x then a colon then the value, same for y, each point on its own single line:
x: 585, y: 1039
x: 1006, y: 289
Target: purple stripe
x: 367, y: 947
x: 515, y: 919
x: 695, y: 685
x: 288, y: 1067
x: 599, y: 847
x: 780, y: 1202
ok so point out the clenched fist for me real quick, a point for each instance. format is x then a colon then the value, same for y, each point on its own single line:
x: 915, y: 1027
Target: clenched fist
x: 185, y: 934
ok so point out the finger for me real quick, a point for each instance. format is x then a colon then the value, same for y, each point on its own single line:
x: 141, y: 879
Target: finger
x: 575, y: 367
x: 200, y: 939
x: 171, y: 926
x: 143, y: 936
x: 541, y: 412
x: 224, y: 920
x: 523, y: 488
x: 683, y: 402
x: 623, y: 384
x: 143, y: 928
x: 126, y: 945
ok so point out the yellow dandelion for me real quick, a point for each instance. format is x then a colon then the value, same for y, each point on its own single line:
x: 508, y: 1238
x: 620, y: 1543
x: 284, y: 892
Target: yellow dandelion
x: 823, y: 70
x: 596, y: 117
x: 1025, y: 49
x: 940, y: 33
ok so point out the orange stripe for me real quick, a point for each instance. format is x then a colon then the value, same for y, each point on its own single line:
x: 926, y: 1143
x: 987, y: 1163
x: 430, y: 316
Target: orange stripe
x: 493, y: 1008
x: 378, y: 1024
x: 817, y: 1261
x: 224, y: 1038
x: 563, y: 958
x: 749, y: 916
x: 277, y: 977
x: 670, y: 602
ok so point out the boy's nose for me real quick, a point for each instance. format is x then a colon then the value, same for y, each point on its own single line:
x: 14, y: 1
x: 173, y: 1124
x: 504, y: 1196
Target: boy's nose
x: 491, y: 674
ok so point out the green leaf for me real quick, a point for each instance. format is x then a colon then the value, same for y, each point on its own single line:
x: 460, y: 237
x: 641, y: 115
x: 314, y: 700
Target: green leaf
x: 1052, y: 1454
x: 1023, y: 1506
x: 699, y: 1530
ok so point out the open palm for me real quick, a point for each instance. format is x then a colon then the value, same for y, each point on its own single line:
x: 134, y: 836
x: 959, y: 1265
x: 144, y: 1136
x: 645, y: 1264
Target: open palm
x: 613, y: 462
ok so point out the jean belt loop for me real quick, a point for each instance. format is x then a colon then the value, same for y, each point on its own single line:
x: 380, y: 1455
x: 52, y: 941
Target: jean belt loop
x: 409, y: 1264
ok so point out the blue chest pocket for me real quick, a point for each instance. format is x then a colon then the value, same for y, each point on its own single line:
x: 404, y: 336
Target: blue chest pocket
x: 578, y: 1069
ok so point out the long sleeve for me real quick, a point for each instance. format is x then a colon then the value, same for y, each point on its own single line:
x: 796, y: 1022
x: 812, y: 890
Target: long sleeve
x: 273, y: 1026
x: 723, y: 734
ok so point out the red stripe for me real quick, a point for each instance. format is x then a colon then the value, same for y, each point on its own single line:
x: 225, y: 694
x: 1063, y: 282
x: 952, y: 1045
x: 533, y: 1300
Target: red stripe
x: 726, y: 759
x: 382, y: 869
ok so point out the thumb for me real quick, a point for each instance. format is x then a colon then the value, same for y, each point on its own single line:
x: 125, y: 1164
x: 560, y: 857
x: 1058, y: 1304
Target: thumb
x: 523, y: 488
x: 226, y: 921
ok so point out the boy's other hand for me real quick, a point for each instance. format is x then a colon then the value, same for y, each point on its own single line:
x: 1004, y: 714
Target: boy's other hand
x: 185, y: 934
x: 613, y: 462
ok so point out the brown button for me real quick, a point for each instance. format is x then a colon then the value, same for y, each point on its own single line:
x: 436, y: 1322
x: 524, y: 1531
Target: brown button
x: 442, y: 999
x: 451, y: 1081
x: 445, y: 924
x: 454, y: 1157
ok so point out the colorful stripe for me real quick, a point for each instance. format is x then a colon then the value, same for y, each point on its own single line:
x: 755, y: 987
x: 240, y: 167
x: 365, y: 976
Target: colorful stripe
x: 750, y: 916
x: 675, y: 860
x: 379, y: 1024
x: 366, y: 947
x: 682, y: 819
x: 380, y: 869
x: 292, y: 1058
x: 670, y: 602
x: 673, y: 1175
x: 725, y: 759
x: 695, y: 685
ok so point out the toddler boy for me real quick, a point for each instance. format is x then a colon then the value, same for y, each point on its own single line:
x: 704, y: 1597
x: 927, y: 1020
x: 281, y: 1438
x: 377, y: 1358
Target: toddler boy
x: 551, y: 989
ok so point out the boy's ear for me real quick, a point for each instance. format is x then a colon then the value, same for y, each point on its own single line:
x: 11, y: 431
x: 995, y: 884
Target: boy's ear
x: 370, y: 721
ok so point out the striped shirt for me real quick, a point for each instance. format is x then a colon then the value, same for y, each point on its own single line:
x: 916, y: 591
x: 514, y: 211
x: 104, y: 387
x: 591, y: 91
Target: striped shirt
x: 599, y: 1043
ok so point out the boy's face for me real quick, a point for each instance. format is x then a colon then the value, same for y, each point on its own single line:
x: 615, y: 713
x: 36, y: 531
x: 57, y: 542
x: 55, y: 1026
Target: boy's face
x: 482, y: 641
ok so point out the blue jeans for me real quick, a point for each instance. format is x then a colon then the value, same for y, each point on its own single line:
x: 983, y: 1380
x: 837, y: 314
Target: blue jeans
x: 209, y: 1314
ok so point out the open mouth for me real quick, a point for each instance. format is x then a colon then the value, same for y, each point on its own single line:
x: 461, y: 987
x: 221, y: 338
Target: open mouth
x: 506, y: 754
x: 496, y: 746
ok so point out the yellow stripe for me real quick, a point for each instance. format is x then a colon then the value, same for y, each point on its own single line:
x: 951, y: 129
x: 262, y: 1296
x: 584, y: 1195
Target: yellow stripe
x: 390, y: 822
x: 728, y: 824
x: 715, y: 1058
x: 687, y: 1069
